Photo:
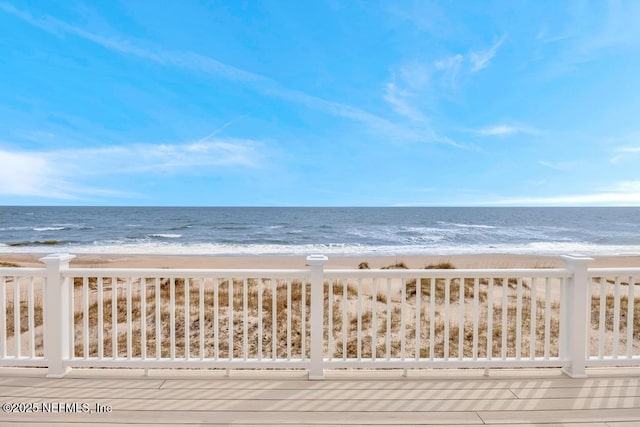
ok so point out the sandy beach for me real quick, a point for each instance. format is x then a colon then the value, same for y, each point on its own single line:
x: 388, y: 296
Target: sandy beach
x: 294, y: 262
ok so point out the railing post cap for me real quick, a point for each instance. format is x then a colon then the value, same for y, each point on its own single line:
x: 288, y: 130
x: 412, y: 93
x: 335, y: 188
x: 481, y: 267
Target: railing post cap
x: 57, y: 258
x: 577, y: 259
x: 317, y: 259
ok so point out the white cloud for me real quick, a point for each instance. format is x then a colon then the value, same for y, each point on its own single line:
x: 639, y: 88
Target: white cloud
x: 406, y: 90
x: 59, y: 174
x: 399, y: 101
x: 166, y: 158
x: 45, y: 175
x: 481, y: 59
x: 591, y: 31
x: 624, y: 153
x: 559, y: 166
x: 612, y: 199
x: 498, y: 130
x: 628, y: 150
x: 504, y: 130
x: 625, y: 193
x: 550, y: 165
x: 415, y: 75
x: 626, y: 187
x: 28, y: 174
x: 450, y: 67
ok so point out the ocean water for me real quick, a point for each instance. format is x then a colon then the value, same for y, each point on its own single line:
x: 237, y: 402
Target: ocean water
x: 331, y: 231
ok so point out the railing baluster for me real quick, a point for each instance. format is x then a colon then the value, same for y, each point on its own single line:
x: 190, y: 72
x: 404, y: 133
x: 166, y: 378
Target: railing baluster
x: 504, y: 328
x: 447, y: 304
x: 533, y: 320
x: 216, y: 320
x: 601, y: 320
x: 274, y: 320
x: 330, y: 321
x: 388, y: 332
x: 114, y: 318
x: 3, y: 319
x: 476, y: 318
x: 201, y: 316
x: 172, y: 318
x: 303, y: 314
x: 344, y: 320
x: 129, y: 315
x: 359, y: 320
x: 461, y: 319
x: 16, y: 317
x: 288, y: 320
x: 490, y: 319
x: 158, y: 319
x: 143, y: 318
x: 547, y: 318
x: 187, y: 318
x: 418, y: 343
x: 616, y: 318
x: 432, y: 317
x: 30, y: 319
x: 630, y: 316
x: 260, y: 320
x: 518, y: 318
x: 85, y: 317
x: 231, y: 322
x: 72, y: 318
x: 245, y: 319
x: 43, y: 296
x: 403, y: 327
x: 100, y: 325
x: 374, y: 319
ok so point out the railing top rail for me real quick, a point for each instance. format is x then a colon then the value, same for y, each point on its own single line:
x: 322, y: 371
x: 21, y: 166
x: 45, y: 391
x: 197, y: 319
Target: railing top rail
x: 596, y: 272
x: 183, y: 272
x: 23, y: 271
x: 451, y: 273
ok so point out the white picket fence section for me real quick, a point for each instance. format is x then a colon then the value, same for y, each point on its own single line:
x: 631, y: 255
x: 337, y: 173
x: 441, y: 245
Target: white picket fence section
x: 315, y: 318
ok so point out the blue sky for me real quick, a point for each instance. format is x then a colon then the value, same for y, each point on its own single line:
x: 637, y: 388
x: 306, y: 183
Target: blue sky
x: 320, y: 103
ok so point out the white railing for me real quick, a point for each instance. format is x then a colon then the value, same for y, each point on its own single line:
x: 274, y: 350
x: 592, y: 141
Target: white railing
x: 444, y: 318
x: 315, y: 318
x: 614, y: 336
x: 22, y: 306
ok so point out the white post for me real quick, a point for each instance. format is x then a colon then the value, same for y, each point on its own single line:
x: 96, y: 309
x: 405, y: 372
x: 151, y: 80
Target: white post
x: 316, y: 264
x: 56, y: 327
x: 575, y: 308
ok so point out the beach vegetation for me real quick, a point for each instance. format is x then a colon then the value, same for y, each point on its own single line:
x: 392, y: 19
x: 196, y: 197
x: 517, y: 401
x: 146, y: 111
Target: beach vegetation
x: 9, y: 264
x: 397, y: 266
x: 440, y: 266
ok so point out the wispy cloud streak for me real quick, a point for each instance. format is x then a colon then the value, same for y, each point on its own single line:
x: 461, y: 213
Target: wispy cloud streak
x: 505, y: 130
x: 196, y: 62
x: 624, y: 153
x: 481, y: 59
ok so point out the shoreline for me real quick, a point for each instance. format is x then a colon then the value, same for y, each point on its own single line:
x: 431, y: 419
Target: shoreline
x: 488, y: 260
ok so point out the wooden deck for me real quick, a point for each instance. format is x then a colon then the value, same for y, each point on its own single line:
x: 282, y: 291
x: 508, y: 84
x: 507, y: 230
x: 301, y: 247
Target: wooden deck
x: 608, y: 398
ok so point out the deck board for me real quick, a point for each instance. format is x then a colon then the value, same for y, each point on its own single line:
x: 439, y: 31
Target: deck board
x: 523, y: 398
